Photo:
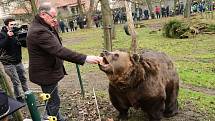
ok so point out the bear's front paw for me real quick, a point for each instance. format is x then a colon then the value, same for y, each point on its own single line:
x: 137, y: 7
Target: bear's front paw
x: 168, y: 114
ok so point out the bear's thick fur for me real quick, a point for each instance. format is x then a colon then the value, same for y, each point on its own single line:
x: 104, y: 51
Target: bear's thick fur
x: 148, y: 81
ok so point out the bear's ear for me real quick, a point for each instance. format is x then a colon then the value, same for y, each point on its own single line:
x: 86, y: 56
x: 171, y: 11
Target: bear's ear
x: 115, y: 56
x: 135, y: 58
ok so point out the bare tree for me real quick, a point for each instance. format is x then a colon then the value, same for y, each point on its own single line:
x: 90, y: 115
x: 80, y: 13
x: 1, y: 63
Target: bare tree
x: 5, y: 5
x: 11, y: 7
x: 90, y: 13
x: 187, y: 9
x: 133, y: 48
x: 175, y: 4
x: 96, y: 5
x: 80, y: 8
x: 107, y: 24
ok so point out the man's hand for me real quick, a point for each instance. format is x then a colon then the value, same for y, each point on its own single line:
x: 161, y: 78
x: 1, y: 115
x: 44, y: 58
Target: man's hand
x: 93, y: 59
x: 10, y: 33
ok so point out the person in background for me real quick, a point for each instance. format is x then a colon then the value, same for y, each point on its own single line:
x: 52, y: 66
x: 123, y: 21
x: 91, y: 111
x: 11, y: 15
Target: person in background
x: 167, y: 11
x: 66, y: 25
x: 75, y: 24
x: 12, y: 52
x: 71, y: 25
x: 62, y: 26
x: 163, y: 11
x: 157, y: 12
x: 146, y: 14
x: 181, y: 8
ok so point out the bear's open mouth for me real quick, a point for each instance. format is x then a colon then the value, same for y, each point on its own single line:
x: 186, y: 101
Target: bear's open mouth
x: 105, y: 62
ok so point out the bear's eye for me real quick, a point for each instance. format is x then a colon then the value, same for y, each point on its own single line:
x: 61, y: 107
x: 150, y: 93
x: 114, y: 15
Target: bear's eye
x: 115, y: 56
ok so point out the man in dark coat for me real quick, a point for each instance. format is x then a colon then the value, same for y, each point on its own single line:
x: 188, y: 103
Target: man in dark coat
x: 146, y: 14
x: 46, y: 55
x: 11, y: 51
x: 167, y: 11
x: 71, y: 25
x: 62, y: 26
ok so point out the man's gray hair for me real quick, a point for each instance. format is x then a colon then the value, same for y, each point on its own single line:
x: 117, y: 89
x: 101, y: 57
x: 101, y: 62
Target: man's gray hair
x: 45, y: 6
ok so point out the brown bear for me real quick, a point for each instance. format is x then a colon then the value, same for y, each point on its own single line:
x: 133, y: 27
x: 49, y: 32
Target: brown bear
x: 148, y: 81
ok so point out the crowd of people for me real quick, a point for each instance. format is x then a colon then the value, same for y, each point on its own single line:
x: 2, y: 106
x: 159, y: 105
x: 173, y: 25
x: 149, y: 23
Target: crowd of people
x: 119, y: 15
x: 138, y: 14
x: 202, y: 6
x: 70, y: 25
x: 76, y: 22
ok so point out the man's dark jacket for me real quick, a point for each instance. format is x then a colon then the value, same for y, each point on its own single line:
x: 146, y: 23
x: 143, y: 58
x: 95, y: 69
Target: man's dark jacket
x: 46, y: 54
x: 11, y: 48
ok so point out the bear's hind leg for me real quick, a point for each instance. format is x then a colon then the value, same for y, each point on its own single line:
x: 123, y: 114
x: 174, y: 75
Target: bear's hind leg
x: 171, y: 103
x: 155, y: 109
x: 123, y: 115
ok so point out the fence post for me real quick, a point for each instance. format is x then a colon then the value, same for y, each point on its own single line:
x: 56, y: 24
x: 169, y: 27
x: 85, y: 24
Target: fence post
x: 31, y: 102
x: 80, y: 80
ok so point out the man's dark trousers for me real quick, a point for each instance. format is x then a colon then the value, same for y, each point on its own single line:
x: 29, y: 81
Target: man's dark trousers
x: 53, y: 104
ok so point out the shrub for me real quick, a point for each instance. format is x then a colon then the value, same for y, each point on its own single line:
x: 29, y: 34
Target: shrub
x: 175, y: 29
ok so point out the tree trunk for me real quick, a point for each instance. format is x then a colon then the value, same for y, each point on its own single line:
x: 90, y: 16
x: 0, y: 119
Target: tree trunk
x: 187, y: 9
x: 96, y: 5
x: 107, y: 24
x: 149, y: 4
x: 133, y: 48
x: 80, y: 8
x: 90, y: 13
x: 113, y: 34
x: 174, y: 8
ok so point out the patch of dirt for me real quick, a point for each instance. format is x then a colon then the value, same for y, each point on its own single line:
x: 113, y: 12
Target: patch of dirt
x: 197, y: 89
x: 84, y: 109
x: 155, y: 26
x: 189, y: 59
x: 73, y: 40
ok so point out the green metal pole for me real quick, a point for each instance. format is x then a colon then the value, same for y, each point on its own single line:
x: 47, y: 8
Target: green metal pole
x: 31, y: 102
x: 80, y: 80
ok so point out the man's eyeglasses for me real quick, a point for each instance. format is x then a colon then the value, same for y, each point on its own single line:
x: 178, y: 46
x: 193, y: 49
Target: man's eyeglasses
x: 54, y: 17
x: 12, y: 24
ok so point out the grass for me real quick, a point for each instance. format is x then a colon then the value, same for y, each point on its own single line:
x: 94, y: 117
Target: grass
x: 202, y: 103
x: 193, y: 57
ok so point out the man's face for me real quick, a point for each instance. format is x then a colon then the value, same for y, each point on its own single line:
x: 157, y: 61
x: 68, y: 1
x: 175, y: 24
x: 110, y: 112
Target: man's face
x: 11, y: 25
x: 50, y: 17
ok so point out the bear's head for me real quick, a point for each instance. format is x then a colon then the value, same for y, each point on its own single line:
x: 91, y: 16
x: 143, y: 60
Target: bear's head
x: 116, y: 64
